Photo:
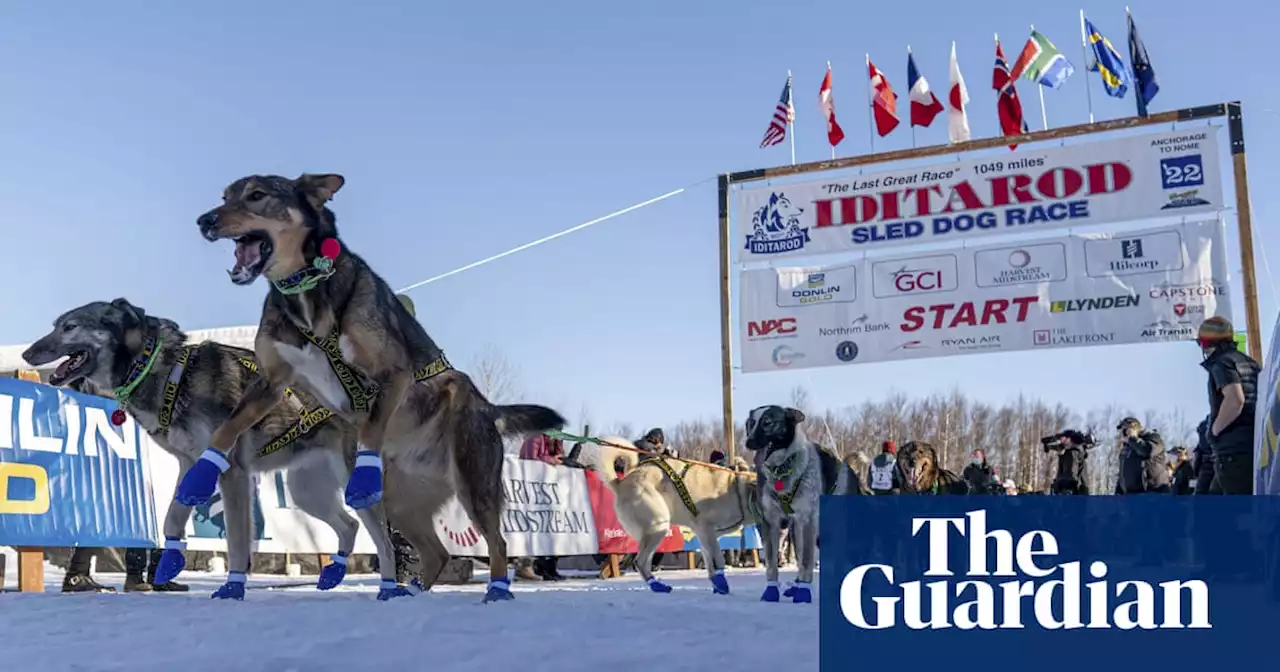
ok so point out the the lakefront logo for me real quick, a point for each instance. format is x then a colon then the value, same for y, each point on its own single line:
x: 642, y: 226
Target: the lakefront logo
x: 1009, y: 582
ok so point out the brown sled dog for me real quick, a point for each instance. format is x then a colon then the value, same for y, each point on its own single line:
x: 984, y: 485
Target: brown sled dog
x: 333, y: 326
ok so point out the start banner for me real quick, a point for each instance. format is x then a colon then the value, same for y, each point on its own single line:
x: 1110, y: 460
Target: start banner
x: 1100, y: 289
x: 1117, y: 180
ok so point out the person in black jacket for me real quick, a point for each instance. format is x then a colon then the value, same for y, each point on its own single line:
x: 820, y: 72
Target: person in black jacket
x: 1233, y: 392
x: 1202, y: 464
x: 1183, y: 475
x: 979, y: 475
x: 1143, y: 465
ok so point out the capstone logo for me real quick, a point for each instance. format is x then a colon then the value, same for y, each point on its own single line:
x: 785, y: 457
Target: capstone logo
x: 1039, y: 587
x: 1095, y: 303
x: 1196, y: 291
x: 1183, y: 309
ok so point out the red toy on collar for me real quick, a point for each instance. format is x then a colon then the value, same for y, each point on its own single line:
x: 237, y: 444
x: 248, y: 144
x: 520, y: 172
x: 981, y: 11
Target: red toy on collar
x: 778, y: 485
x: 118, y: 417
x: 330, y: 249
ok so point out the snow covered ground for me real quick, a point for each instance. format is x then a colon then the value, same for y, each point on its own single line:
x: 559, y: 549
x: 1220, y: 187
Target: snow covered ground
x: 579, y: 624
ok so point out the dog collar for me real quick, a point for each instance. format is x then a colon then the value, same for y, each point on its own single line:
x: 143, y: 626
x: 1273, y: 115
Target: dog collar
x: 141, y: 367
x: 321, y: 269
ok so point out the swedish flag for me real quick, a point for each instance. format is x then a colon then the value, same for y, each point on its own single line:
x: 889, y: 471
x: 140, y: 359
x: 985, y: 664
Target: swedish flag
x: 1107, y: 62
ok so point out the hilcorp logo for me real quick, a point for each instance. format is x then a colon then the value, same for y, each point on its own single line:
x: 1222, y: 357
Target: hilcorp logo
x: 1052, y: 593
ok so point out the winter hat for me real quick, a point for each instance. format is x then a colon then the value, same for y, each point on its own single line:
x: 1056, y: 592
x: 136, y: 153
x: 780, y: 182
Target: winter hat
x: 889, y: 447
x: 716, y: 457
x: 1127, y: 422
x: 1214, y: 330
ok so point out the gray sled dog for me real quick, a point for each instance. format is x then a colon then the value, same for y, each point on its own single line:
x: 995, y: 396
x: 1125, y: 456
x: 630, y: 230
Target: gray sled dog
x: 179, y: 393
x: 333, y: 326
x: 656, y: 492
x: 792, y: 473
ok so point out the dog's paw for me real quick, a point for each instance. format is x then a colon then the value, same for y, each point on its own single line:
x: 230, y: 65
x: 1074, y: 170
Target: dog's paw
x: 658, y: 586
x: 720, y: 584
x: 171, y: 563
x: 499, y: 590
x: 790, y: 591
x: 233, y: 589
x: 201, y: 479
x: 333, y: 573
x: 364, y: 488
x: 390, y: 589
x: 770, y: 594
x: 800, y: 593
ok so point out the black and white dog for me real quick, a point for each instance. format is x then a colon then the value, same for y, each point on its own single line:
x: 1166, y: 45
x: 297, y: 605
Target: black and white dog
x: 793, y: 472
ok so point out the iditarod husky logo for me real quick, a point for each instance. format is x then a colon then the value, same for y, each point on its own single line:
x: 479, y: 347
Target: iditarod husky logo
x: 776, y: 227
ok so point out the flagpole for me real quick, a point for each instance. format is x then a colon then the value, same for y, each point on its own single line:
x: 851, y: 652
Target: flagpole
x: 871, y: 108
x: 909, y: 122
x: 791, y: 126
x: 1084, y: 54
x: 833, y: 96
x: 1137, y: 96
x: 1044, y: 116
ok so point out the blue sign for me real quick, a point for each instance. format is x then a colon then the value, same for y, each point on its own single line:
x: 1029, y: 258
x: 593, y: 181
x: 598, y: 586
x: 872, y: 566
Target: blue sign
x: 1266, y: 421
x: 1057, y: 583
x: 747, y: 539
x: 68, y: 476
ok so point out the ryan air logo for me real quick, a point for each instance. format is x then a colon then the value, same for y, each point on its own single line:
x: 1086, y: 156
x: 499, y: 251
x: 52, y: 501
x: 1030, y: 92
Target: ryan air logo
x: 776, y: 227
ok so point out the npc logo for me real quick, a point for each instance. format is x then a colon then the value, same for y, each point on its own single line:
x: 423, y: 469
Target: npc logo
x: 776, y: 227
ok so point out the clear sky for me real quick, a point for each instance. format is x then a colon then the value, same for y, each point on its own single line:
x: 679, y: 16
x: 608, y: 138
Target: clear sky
x: 469, y: 130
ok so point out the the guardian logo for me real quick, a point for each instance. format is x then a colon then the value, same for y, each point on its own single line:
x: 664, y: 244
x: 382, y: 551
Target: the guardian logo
x: 1050, y: 593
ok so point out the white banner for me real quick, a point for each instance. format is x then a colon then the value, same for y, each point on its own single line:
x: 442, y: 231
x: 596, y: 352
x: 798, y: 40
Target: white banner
x: 1123, y: 179
x: 548, y: 512
x: 1099, y: 289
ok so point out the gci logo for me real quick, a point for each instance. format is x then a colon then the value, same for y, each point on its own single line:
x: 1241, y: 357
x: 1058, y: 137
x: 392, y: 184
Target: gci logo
x: 917, y: 280
x: 772, y: 328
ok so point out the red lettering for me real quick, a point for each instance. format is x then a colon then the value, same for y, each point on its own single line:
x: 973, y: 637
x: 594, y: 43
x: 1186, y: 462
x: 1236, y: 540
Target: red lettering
x: 858, y: 209
x: 890, y: 205
x: 786, y: 325
x: 964, y: 316
x: 993, y: 310
x: 1010, y: 189
x: 1024, y: 304
x: 822, y: 213
x: 1072, y: 181
x: 924, y: 206
x: 939, y: 311
x: 968, y: 197
x: 1121, y: 178
x: 922, y: 280
x: 913, y: 320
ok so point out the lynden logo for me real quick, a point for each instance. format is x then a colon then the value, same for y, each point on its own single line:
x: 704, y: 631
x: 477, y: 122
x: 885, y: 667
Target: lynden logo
x: 780, y: 328
x: 776, y: 227
x: 1053, y: 594
x: 783, y: 356
x: 969, y: 313
x: 1097, y: 303
x: 1061, y: 337
x: 1197, y: 291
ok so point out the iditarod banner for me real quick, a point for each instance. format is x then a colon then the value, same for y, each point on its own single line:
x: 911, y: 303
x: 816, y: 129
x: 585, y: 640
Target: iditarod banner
x: 1117, y: 180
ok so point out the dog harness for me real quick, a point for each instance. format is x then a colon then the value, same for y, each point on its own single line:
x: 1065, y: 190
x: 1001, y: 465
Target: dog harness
x: 676, y: 479
x: 362, y: 396
x: 141, y: 367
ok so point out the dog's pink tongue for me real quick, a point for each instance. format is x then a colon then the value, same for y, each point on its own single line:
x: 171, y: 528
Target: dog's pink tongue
x: 247, y: 254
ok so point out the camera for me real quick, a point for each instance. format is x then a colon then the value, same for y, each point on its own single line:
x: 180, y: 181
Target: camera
x: 1058, y: 441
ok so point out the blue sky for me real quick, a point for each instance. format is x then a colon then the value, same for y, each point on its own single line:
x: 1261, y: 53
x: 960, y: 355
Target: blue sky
x: 469, y: 130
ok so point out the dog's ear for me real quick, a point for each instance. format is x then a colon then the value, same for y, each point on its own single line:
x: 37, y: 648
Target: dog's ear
x: 133, y: 315
x: 319, y: 188
x: 794, y: 416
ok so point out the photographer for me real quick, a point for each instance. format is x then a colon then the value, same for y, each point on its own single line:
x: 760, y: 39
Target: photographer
x: 1073, y: 452
x: 1143, y: 464
x: 979, y: 475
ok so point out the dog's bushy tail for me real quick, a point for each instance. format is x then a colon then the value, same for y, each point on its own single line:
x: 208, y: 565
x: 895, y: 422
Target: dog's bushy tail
x: 518, y: 419
x: 606, y: 456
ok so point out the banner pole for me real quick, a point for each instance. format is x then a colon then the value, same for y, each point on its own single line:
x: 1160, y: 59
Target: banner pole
x: 1084, y: 56
x: 726, y: 343
x: 1244, y: 223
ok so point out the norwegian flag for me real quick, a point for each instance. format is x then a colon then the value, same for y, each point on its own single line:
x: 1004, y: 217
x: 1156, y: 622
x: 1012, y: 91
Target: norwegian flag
x: 924, y: 105
x: 827, y: 103
x: 783, y: 115
x: 1008, y: 106
x: 884, y: 101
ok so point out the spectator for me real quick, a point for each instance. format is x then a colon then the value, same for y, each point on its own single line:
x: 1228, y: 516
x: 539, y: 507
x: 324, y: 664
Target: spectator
x: 1142, y: 460
x: 1233, y: 391
x: 140, y: 572
x: 979, y: 475
x: 1010, y: 488
x: 1203, y: 462
x: 1183, y: 476
x: 654, y: 442
x: 883, y: 477
x: 78, y: 579
x: 717, y: 458
x: 541, y: 448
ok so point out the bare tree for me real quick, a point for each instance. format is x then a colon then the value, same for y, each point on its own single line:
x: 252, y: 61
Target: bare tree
x: 496, y: 377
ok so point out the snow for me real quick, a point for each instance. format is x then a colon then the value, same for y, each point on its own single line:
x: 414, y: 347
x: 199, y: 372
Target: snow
x: 579, y: 624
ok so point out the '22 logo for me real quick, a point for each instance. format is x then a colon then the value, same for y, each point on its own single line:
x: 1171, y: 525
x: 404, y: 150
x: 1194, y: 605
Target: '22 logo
x: 1181, y: 172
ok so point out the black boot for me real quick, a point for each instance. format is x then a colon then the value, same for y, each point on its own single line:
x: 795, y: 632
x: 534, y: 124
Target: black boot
x: 153, y: 561
x: 406, y: 559
x: 136, y: 584
x: 83, y: 583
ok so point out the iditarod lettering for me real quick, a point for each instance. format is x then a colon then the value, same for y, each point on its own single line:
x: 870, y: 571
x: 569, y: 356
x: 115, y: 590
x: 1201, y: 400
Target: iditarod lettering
x: 1031, y: 555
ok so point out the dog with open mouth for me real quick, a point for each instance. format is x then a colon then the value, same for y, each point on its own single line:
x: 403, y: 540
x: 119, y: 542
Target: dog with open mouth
x: 178, y: 393
x: 792, y: 474
x: 333, y: 326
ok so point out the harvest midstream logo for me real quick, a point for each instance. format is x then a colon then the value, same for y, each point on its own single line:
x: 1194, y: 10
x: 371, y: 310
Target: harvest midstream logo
x: 1040, y: 591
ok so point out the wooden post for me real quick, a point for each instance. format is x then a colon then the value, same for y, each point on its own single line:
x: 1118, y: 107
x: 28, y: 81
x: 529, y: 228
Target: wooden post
x: 726, y: 342
x: 1244, y: 221
x: 692, y: 559
x: 611, y: 569
x: 755, y: 557
x: 30, y: 569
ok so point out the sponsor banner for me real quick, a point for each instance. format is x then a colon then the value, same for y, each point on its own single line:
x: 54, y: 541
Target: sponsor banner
x: 1039, y: 579
x: 612, y: 538
x: 1099, y: 289
x: 68, y: 476
x: 1118, y: 180
x: 1266, y: 421
x: 745, y: 539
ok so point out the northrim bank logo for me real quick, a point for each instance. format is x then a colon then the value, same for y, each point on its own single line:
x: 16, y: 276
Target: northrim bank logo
x: 1039, y: 591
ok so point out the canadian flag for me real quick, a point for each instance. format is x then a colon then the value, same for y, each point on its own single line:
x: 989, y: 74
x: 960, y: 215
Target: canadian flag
x: 884, y: 102
x: 827, y: 103
x: 957, y: 98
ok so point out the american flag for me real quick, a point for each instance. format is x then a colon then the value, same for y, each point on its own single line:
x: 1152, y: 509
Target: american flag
x: 784, y: 114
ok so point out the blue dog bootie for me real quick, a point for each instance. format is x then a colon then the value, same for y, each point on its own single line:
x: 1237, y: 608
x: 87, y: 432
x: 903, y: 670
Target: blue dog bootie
x: 364, y: 488
x: 333, y: 573
x: 658, y: 586
x: 719, y: 583
x: 499, y: 589
x: 198, y: 484
x: 390, y: 589
x: 233, y: 589
x: 172, y: 562
x: 770, y: 592
x: 800, y: 593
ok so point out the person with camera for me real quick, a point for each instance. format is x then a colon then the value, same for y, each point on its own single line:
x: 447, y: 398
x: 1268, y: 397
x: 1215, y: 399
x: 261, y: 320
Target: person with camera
x: 1072, y: 448
x: 979, y: 475
x: 1143, y: 462
x: 1233, y: 391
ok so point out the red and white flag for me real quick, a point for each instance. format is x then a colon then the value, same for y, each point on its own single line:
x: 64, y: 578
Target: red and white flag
x: 924, y: 105
x: 957, y: 98
x: 884, y: 102
x: 827, y: 103
x: 1008, y: 106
